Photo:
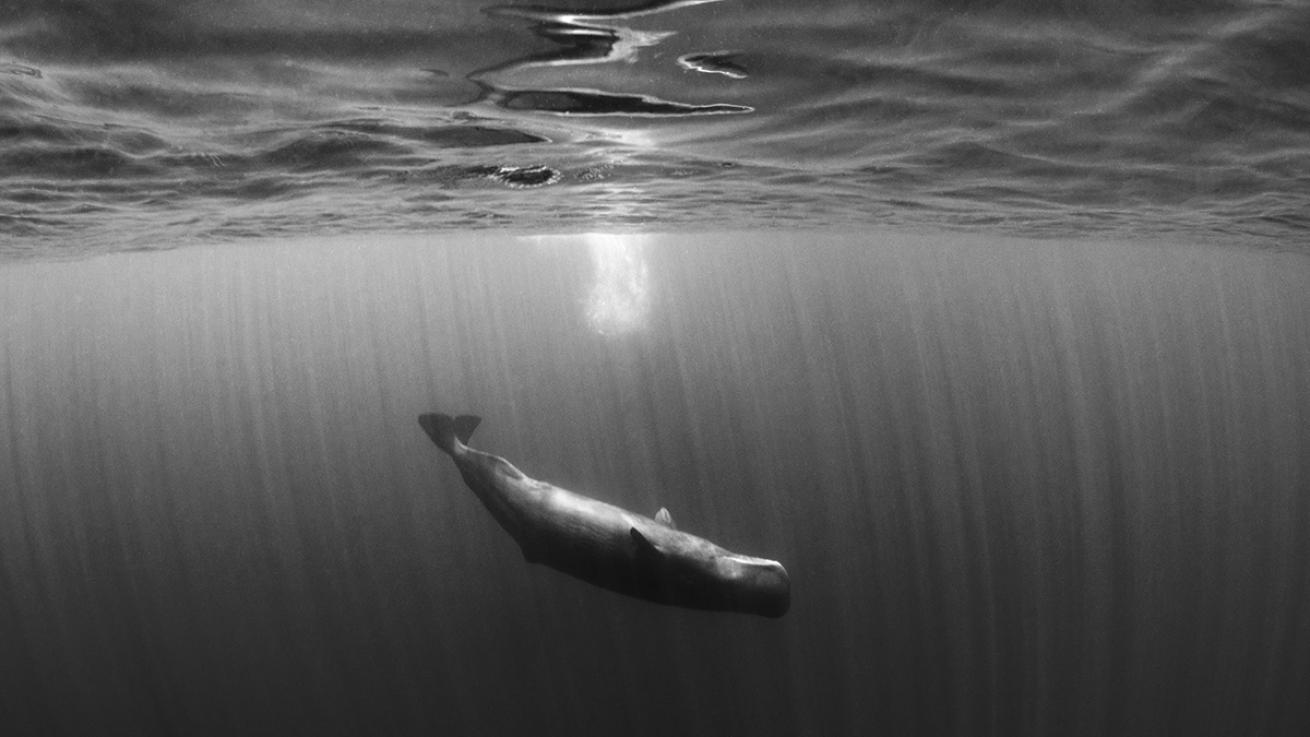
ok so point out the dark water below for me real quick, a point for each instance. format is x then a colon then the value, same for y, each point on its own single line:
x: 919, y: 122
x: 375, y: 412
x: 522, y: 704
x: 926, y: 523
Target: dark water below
x: 1022, y: 487
x: 155, y: 123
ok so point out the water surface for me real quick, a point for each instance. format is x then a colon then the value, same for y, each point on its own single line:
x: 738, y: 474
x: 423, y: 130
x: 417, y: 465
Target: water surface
x: 146, y: 123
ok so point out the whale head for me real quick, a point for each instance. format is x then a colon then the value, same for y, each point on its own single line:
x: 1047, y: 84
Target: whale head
x: 756, y: 585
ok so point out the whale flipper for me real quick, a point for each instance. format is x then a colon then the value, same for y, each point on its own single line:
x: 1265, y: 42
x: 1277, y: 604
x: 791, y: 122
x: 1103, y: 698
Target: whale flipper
x: 645, y: 548
x: 664, y: 518
x: 529, y: 554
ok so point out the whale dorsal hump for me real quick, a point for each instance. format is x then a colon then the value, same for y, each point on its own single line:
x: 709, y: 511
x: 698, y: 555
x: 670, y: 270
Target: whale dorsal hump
x: 465, y: 425
x: 645, y: 548
x: 664, y: 518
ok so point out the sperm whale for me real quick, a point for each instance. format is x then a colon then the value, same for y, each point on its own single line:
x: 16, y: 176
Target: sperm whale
x: 606, y: 545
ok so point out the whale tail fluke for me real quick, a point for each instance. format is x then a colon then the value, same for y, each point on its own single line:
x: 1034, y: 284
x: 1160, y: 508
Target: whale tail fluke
x: 449, y: 433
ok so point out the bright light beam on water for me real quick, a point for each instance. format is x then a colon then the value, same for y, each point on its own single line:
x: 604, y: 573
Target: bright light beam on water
x: 620, y: 296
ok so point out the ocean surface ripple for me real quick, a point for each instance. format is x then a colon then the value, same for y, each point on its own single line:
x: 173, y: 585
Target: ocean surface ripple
x: 144, y: 123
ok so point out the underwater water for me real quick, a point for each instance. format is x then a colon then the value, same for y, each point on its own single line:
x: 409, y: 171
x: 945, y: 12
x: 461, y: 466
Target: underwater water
x: 989, y: 319
x: 1021, y: 487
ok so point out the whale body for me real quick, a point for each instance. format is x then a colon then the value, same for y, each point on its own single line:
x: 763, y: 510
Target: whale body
x: 606, y: 545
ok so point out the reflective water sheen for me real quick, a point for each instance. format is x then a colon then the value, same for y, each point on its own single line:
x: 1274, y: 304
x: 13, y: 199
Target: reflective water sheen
x: 151, y: 123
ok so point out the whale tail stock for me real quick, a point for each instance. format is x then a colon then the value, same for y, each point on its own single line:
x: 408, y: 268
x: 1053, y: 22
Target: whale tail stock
x: 449, y: 433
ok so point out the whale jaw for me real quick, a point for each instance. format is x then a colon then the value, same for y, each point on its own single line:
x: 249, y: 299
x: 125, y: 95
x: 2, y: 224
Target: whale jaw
x: 757, y: 585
